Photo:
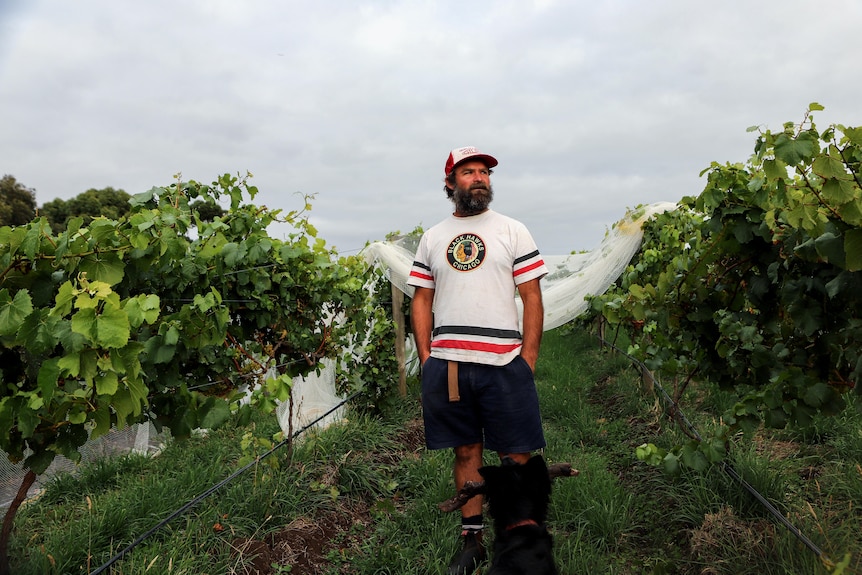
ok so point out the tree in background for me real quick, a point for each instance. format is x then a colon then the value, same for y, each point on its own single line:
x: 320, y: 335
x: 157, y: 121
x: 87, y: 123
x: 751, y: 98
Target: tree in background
x: 17, y: 202
x: 207, y: 210
x: 107, y: 202
x: 110, y: 203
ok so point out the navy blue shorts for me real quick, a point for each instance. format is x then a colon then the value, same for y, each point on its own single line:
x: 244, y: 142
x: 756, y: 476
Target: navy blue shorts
x: 499, y: 407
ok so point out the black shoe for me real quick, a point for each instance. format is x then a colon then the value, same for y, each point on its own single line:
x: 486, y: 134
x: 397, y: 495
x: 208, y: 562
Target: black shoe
x: 472, y: 554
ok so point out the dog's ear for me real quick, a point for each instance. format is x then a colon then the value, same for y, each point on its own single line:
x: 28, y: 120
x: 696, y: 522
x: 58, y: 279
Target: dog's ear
x: 536, y: 463
x: 488, y: 471
x: 537, y: 469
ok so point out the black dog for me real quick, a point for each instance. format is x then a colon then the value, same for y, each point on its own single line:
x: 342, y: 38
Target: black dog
x: 518, y: 498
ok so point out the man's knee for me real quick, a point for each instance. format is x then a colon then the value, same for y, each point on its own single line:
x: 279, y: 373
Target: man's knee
x: 521, y: 458
x: 465, y: 454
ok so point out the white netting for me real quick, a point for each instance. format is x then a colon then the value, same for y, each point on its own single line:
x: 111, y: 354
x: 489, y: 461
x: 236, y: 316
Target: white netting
x: 137, y: 438
x: 571, y: 277
x: 313, y: 395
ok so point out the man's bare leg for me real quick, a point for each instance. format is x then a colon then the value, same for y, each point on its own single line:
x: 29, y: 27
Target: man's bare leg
x: 468, y: 460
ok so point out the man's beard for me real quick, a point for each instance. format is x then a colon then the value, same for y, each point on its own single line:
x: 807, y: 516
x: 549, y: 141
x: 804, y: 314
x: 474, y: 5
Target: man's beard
x: 473, y: 200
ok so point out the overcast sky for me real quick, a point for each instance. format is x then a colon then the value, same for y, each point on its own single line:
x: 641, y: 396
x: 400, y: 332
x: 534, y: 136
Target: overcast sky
x: 591, y: 107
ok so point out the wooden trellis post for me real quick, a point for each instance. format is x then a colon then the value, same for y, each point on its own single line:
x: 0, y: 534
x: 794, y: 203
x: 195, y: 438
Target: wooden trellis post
x: 400, y: 336
x: 600, y: 320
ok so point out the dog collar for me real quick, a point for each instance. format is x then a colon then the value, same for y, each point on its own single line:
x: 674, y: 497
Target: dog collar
x: 522, y: 523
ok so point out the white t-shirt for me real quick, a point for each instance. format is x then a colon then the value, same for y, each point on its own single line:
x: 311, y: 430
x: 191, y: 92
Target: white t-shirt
x: 474, y: 264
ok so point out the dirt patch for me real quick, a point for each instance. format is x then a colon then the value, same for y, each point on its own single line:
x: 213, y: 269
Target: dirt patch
x: 306, y: 545
x: 412, y: 436
x: 775, y: 449
x: 722, y: 531
x: 314, y: 545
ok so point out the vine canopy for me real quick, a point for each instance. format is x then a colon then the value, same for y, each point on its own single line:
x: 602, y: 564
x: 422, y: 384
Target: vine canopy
x: 756, y: 284
x: 162, y: 316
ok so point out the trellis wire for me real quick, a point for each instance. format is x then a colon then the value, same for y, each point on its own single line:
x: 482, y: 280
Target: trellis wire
x: 726, y: 467
x: 216, y: 487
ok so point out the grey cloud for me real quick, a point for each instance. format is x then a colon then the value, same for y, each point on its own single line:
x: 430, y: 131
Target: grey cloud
x: 592, y: 107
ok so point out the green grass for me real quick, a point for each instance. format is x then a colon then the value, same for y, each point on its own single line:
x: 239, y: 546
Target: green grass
x: 362, y: 496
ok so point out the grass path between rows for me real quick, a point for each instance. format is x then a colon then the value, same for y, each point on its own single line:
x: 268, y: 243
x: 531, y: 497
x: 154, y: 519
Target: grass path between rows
x: 361, y: 497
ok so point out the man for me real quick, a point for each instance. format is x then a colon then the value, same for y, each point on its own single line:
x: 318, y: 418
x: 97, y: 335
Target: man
x: 477, y: 365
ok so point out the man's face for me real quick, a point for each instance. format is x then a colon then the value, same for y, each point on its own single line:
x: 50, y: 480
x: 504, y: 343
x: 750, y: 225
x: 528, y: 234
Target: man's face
x: 473, y: 191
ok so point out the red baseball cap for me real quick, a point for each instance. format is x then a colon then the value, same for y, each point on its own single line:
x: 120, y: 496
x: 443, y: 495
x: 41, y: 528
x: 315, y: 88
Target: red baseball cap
x: 459, y: 155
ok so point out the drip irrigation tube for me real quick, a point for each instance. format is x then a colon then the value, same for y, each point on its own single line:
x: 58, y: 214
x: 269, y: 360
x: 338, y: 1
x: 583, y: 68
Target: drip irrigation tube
x: 215, y: 488
x: 726, y: 467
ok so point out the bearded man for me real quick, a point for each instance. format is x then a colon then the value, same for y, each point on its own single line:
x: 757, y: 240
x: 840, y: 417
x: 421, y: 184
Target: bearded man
x: 477, y: 356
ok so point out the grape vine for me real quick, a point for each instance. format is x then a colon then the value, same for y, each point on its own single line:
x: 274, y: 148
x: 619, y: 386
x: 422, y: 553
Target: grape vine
x: 162, y: 316
x: 756, y: 284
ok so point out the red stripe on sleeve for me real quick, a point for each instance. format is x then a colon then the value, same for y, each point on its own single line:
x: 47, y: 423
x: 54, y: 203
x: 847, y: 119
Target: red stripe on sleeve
x: 528, y: 268
x: 421, y: 276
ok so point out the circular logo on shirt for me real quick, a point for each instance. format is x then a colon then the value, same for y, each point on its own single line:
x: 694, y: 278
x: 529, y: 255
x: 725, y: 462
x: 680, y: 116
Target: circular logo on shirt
x: 466, y: 252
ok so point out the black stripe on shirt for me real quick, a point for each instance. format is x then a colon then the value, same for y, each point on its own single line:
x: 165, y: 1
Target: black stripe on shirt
x: 480, y: 331
x: 527, y: 257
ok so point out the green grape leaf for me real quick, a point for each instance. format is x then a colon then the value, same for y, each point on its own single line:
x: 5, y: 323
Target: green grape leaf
x: 101, y: 417
x: 670, y: 464
x: 792, y: 151
x: 32, y: 239
x: 27, y: 421
x: 66, y: 295
x: 105, y: 267
x: 107, y: 383
x: 124, y: 405
x: 830, y: 168
x: 142, y: 309
x: 853, y: 249
x: 831, y: 249
x: 851, y: 212
x: 39, y: 462
x: 13, y: 311
x: 49, y: 374
x: 38, y: 333
x: 216, y: 412
x: 837, y: 192
x: 817, y: 394
x: 108, y: 329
